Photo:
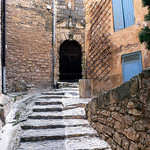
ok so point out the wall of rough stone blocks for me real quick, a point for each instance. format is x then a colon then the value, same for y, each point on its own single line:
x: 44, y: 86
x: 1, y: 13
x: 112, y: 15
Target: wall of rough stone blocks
x: 29, y: 40
x: 122, y: 115
x: 122, y: 42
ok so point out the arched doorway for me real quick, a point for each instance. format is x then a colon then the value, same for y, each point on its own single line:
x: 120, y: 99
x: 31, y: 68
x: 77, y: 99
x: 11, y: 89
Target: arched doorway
x: 70, y: 61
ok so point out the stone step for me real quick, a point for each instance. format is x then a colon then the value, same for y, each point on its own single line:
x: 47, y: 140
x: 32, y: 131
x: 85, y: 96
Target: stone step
x: 50, y: 126
x: 43, y: 145
x: 67, y: 89
x: 78, y: 143
x: 47, y: 109
x: 53, y: 93
x: 45, y: 117
x: 48, y: 103
x: 48, y: 106
x: 52, y: 96
x: 86, y: 143
x: 45, y: 124
x: 67, y: 84
x: 56, y: 134
x: 70, y: 113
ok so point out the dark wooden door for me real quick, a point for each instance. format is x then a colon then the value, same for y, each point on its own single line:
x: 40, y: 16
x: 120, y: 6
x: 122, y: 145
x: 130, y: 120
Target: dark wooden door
x: 70, y: 61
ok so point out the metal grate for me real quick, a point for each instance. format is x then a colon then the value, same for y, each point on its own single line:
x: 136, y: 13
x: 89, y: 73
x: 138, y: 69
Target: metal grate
x: 98, y: 54
x: 131, y: 57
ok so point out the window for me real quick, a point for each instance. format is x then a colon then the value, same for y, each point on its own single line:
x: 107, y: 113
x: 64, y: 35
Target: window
x: 123, y: 12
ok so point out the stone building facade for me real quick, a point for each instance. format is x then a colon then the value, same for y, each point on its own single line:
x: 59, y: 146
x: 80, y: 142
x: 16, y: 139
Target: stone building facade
x: 110, y: 47
x: 29, y: 40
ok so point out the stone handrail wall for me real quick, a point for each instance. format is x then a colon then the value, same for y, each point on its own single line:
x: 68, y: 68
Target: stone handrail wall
x: 122, y: 115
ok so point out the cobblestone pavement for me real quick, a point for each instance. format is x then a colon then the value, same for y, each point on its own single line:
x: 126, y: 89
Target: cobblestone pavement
x: 58, y: 122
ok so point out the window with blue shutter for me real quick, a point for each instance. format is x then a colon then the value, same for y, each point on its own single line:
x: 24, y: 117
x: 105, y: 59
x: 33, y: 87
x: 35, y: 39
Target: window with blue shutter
x: 123, y: 12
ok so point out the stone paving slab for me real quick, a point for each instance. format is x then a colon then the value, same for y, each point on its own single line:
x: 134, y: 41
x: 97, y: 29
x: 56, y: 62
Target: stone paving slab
x: 43, y: 145
x: 71, y: 112
x: 66, y: 122
x: 76, y: 143
x: 86, y: 143
x: 47, y: 106
x: 42, y: 134
x: 67, y: 89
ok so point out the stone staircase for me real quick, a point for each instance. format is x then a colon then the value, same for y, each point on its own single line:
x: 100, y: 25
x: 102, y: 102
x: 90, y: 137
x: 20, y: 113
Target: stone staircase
x: 58, y: 122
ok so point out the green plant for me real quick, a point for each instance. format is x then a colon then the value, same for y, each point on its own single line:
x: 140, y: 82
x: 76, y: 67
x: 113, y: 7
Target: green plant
x: 17, y: 116
x: 144, y: 35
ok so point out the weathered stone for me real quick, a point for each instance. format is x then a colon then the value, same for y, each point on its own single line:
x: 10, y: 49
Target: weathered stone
x: 100, y: 127
x: 117, y: 116
x: 118, y: 108
x: 140, y: 126
x: 94, y: 106
x: 112, y: 143
x: 94, y: 118
x: 110, y: 122
x: 133, y: 146
x: 105, y: 113
x: 85, y: 88
x: 130, y: 105
x: 113, y: 97
x: 127, y: 119
x: 109, y: 131
x: 135, y: 112
x: 112, y: 108
x: 141, y: 146
x: 2, y: 116
x: 134, y: 85
x: 125, y: 143
x: 119, y: 127
x: 119, y: 148
x: 131, y: 134
x: 101, y: 120
x: 143, y: 137
x: 117, y: 138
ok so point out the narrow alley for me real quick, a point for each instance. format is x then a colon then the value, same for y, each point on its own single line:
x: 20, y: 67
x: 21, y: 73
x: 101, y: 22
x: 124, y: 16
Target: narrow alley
x: 57, y: 121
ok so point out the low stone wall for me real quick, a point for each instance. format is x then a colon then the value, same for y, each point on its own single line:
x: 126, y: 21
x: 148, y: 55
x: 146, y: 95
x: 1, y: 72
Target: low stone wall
x: 122, y: 115
x: 6, y: 104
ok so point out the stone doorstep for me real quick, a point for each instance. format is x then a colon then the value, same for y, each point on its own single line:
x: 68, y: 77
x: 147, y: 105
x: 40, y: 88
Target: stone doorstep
x: 66, y: 89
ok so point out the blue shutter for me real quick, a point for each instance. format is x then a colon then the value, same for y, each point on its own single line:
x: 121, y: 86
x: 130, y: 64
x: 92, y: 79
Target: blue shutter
x: 128, y: 10
x: 131, y: 65
x: 118, y: 15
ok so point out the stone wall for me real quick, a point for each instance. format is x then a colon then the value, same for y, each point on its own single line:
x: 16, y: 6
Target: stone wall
x: 121, y: 42
x: 122, y: 115
x: 29, y: 40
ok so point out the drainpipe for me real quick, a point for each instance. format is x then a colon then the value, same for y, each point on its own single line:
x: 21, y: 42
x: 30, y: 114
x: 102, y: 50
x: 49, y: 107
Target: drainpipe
x: 3, y: 46
x: 53, y: 43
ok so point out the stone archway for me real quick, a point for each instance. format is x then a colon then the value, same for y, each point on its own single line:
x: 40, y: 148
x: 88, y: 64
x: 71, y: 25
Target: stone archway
x: 70, y: 61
